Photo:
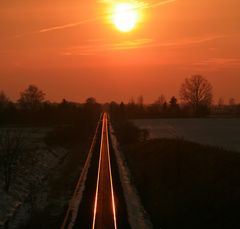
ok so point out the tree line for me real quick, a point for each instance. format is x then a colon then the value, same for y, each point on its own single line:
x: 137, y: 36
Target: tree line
x: 195, y: 94
x: 196, y: 100
x: 33, y: 108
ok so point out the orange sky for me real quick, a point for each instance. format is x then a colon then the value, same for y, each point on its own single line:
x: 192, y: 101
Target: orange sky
x: 69, y: 49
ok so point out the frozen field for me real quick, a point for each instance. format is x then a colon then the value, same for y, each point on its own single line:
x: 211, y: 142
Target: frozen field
x: 224, y: 133
x: 36, y: 161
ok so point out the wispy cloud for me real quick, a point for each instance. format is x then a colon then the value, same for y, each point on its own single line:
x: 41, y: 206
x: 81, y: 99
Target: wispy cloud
x: 140, y: 5
x: 190, y: 41
x: 94, y: 48
x: 132, y: 44
x: 159, y: 3
x: 58, y: 27
x: 218, y: 62
x: 64, y: 26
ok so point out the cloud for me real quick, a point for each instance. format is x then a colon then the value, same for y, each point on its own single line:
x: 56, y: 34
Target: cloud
x: 159, y: 3
x: 58, y: 27
x: 190, y: 41
x: 219, y: 62
x: 141, y: 4
x: 95, y: 47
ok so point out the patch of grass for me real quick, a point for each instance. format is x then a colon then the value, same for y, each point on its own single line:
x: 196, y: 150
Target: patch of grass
x: 186, y: 185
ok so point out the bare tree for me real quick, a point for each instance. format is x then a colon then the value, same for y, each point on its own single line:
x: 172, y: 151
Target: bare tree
x: 91, y: 100
x: 197, y: 92
x: 11, y: 146
x: 140, y: 101
x: 4, y: 100
x: 161, y: 100
x: 131, y: 101
x: 220, y: 102
x: 232, y: 102
x: 220, y: 105
x: 232, y: 106
x: 32, y: 98
x: 173, y: 102
x: 159, y: 104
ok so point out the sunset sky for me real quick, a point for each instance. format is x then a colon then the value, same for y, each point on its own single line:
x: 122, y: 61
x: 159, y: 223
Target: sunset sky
x: 72, y: 50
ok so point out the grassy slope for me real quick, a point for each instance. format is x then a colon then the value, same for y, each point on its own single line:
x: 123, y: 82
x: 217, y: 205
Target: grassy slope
x: 187, y: 185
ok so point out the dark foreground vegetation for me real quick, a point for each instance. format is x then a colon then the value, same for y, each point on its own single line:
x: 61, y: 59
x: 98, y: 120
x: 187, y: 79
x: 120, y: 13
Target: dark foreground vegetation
x: 40, y: 173
x: 186, y: 185
x: 74, y: 132
x: 183, y: 184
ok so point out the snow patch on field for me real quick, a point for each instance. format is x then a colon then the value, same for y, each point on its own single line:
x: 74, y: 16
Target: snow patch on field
x: 138, y: 217
x: 224, y: 133
x: 39, y: 159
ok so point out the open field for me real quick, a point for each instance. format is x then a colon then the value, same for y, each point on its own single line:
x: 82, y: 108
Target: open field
x: 186, y: 185
x: 223, y: 133
x: 41, y: 186
x: 34, y: 162
x: 181, y: 183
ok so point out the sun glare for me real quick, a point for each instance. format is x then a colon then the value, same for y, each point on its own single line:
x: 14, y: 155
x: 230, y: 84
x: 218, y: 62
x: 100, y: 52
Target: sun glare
x: 125, y: 16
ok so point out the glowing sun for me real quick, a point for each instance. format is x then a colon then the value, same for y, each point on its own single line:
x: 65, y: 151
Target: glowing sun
x: 125, y: 16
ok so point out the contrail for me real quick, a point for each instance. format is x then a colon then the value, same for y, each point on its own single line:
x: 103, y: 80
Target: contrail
x: 75, y: 24
x: 159, y: 4
x: 58, y: 27
x: 65, y: 26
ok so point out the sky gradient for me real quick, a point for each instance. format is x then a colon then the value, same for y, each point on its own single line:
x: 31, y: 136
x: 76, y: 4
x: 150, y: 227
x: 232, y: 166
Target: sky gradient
x: 71, y: 50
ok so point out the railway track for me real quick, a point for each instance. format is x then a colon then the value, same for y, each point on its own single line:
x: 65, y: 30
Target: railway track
x: 98, y: 200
